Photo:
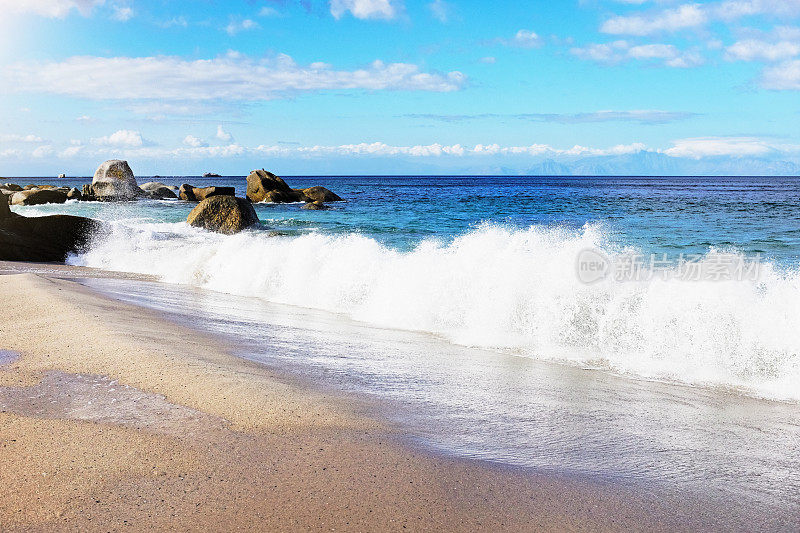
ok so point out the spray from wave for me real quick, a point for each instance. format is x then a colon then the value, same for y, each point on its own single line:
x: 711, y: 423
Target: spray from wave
x: 499, y: 288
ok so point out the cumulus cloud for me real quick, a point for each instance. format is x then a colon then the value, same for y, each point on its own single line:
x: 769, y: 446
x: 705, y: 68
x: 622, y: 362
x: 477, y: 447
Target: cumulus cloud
x: 620, y: 51
x: 681, y: 17
x: 231, y: 77
x: 782, y: 77
x: 526, y: 39
x: 121, y: 138
x: 757, y: 50
x: 195, y: 142
x: 13, y: 137
x: 236, y: 26
x: 366, y: 9
x: 696, y: 148
x: 223, y: 135
x: 440, y: 10
x: 696, y: 15
x: 48, y: 8
x: 123, y: 14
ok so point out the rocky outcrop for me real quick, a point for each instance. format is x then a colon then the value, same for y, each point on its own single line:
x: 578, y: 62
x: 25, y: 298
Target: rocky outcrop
x: 157, y: 190
x: 198, y: 194
x: 315, y: 206
x: 114, y: 181
x: 12, y: 187
x: 49, y: 238
x: 40, y: 196
x: 74, y: 194
x: 211, y: 175
x: 223, y: 214
x: 263, y: 186
x: 320, y: 194
x: 62, y: 176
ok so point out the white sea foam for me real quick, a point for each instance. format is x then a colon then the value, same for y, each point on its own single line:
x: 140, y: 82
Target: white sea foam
x: 499, y: 288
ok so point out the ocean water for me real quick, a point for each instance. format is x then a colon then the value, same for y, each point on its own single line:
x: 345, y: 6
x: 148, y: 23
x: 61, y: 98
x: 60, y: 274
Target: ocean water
x: 459, y: 304
x: 490, y: 262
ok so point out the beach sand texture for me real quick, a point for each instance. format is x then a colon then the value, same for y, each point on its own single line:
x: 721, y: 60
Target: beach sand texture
x: 113, y: 418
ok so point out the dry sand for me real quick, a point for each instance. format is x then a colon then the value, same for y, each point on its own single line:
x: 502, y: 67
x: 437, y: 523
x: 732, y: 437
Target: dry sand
x: 113, y: 418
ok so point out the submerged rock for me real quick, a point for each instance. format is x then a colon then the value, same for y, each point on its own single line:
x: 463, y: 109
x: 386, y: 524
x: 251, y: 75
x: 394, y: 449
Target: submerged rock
x: 223, y: 214
x: 158, y: 190
x: 39, y: 197
x: 321, y: 194
x: 198, y: 194
x: 315, y: 206
x: 49, y: 238
x: 114, y: 180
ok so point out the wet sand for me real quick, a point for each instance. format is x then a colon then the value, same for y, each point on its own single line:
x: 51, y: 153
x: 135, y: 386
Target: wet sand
x: 113, y: 418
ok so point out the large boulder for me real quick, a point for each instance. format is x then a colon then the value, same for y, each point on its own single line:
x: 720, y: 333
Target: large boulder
x: 74, y: 194
x: 113, y: 180
x: 12, y: 187
x: 223, y: 214
x: 39, y: 197
x: 263, y: 186
x: 49, y: 238
x: 198, y: 194
x: 157, y: 190
x: 320, y: 194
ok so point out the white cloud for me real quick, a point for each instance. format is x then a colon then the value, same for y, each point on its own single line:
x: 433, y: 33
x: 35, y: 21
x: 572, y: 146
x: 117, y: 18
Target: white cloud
x: 48, y: 8
x: 699, y: 147
x: 267, y: 11
x: 440, y: 10
x: 696, y: 15
x: 123, y: 14
x: 619, y: 51
x: 195, y: 142
x: 13, y: 137
x: 526, y: 39
x: 681, y: 17
x: 223, y: 135
x: 756, y: 50
x: 784, y: 76
x: 121, y: 138
x: 365, y: 9
x: 42, y: 151
x: 236, y: 26
x: 232, y: 77
x: 489, y: 60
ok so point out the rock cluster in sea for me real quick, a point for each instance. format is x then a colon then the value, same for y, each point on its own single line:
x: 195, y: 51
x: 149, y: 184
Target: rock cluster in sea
x: 52, y: 238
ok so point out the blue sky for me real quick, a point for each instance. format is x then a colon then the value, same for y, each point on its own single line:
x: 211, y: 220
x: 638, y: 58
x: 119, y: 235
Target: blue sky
x: 391, y: 86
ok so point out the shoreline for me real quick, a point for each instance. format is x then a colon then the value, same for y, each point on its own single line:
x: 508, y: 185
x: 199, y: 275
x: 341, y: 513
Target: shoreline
x: 212, y: 434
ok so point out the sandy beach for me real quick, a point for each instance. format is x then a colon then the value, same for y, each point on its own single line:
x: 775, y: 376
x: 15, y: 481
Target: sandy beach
x: 114, y: 419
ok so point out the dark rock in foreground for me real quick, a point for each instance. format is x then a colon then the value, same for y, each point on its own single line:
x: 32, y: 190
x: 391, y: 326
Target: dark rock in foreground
x: 223, y: 214
x: 197, y: 194
x: 49, y: 238
x: 263, y: 186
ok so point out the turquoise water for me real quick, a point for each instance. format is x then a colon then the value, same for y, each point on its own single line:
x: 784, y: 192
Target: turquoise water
x: 755, y: 215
